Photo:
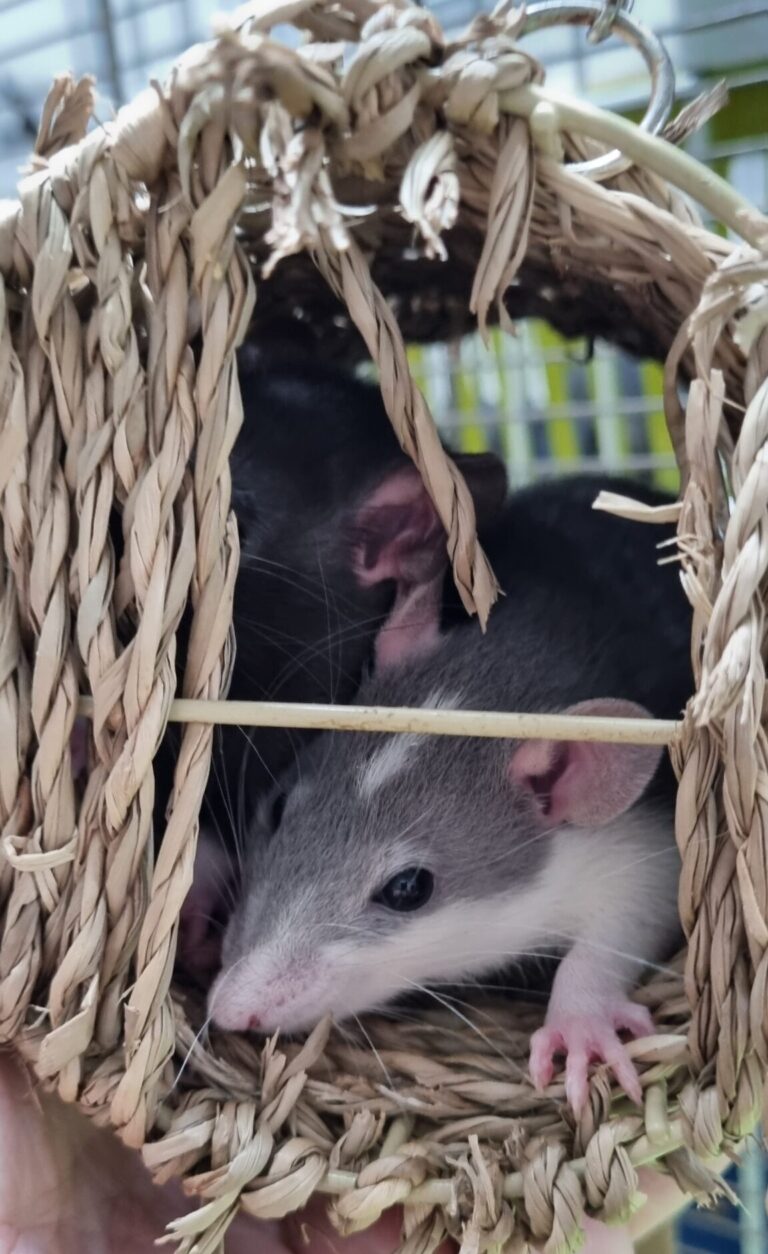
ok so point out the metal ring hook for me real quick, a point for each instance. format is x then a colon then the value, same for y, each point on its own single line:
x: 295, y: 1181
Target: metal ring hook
x: 602, y: 26
x: 650, y: 47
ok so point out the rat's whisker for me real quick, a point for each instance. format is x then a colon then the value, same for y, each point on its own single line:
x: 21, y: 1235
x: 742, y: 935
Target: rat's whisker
x: 374, y: 1050
x: 443, y: 1001
x: 195, y: 1041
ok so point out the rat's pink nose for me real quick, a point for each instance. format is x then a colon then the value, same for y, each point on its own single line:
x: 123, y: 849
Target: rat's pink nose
x: 254, y: 1023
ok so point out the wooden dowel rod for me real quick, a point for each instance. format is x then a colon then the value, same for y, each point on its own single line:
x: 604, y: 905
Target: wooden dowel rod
x: 498, y: 726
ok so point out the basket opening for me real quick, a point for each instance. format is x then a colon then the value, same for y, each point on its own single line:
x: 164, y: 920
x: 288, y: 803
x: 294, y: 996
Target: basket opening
x: 511, y: 396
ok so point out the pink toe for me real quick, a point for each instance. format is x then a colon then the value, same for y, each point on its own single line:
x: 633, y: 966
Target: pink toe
x: 544, y: 1044
x: 576, y: 1082
x: 541, y: 1074
x: 624, y: 1070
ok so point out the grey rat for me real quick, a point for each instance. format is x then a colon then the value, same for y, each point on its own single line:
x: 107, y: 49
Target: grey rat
x: 386, y: 863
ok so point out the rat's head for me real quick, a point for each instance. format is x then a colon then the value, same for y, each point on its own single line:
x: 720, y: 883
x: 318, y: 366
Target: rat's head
x: 353, y: 877
x: 392, y: 862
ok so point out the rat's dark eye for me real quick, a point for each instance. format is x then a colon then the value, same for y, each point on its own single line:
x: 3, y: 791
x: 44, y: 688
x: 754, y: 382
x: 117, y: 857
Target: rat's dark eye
x: 277, y: 810
x: 408, y: 890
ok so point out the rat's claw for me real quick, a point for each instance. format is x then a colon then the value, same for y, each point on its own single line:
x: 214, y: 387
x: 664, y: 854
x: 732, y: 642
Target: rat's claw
x: 545, y: 1043
x: 577, y: 1078
x: 624, y: 1070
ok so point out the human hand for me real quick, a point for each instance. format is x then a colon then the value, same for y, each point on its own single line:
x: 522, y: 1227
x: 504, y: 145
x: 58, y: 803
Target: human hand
x: 68, y: 1187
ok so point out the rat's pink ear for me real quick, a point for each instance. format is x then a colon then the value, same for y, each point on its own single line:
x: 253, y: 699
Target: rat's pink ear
x: 398, y: 536
x: 397, y: 533
x: 583, y: 783
x: 412, y: 627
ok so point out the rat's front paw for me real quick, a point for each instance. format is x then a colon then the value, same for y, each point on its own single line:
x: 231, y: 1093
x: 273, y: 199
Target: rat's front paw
x: 585, y: 1038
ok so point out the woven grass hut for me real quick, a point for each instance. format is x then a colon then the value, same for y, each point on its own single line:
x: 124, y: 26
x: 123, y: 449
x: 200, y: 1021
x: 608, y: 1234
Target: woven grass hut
x: 411, y: 190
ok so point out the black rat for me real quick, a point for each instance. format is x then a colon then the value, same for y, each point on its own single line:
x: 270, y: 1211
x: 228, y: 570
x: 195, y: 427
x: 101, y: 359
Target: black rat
x: 315, y: 460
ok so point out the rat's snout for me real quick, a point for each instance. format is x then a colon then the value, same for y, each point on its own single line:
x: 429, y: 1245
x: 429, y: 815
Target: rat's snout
x: 266, y: 994
x: 226, y: 1010
x: 239, y: 1004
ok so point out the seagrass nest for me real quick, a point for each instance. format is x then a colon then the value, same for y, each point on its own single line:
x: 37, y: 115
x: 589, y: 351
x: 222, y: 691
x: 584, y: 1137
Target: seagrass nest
x: 393, y: 195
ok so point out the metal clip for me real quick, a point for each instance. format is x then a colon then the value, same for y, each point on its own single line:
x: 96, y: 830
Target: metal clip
x: 603, y: 25
x: 608, y: 18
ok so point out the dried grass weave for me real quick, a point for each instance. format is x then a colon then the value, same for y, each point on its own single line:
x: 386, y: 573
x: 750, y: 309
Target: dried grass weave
x: 134, y: 240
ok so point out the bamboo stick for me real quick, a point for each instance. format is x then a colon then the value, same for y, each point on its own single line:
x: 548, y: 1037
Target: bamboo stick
x: 484, y: 724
